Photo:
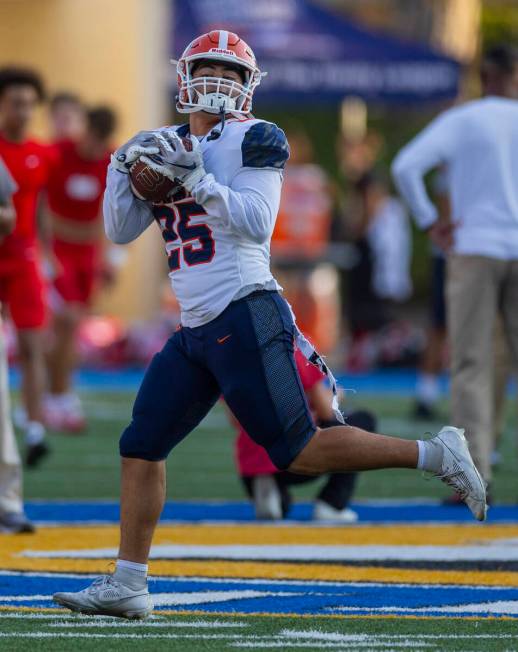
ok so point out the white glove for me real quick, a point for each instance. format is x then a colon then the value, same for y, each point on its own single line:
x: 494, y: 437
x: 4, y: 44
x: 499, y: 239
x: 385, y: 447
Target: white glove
x: 145, y: 142
x: 177, y: 162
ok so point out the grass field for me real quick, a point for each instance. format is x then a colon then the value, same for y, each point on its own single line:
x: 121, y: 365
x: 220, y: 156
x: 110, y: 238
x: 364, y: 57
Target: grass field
x: 201, y: 467
x: 180, y: 633
x: 215, y: 602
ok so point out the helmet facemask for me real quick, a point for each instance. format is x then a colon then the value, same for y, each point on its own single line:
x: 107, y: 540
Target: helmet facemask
x: 215, y: 94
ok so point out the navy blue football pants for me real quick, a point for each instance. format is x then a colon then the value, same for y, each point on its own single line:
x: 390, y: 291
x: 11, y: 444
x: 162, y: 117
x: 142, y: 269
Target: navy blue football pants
x: 246, y: 354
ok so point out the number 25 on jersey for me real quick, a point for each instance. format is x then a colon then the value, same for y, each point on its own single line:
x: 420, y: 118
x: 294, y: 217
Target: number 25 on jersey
x: 192, y: 242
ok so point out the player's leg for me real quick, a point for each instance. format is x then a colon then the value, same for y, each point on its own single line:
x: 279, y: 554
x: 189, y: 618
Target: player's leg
x: 332, y: 502
x: 26, y: 298
x: 62, y: 357
x: 428, y: 387
x: 62, y: 407
x: 257, y: 374
x: 175, y: 395
x: 71, y: 294
x: 472, y: 294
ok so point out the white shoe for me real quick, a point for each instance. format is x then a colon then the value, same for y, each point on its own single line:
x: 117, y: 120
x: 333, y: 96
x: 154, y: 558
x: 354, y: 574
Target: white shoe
x: 108, y: 597
x: 324, y: 513
x: 459, y: 472
x: 267, y: 498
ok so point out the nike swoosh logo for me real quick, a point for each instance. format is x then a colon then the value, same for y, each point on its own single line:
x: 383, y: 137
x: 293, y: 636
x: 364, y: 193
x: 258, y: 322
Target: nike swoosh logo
x: 220, y: 340
x: 185, y: 167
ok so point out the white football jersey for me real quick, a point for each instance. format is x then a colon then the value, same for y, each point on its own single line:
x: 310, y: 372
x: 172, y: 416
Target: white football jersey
x: 217, y: 240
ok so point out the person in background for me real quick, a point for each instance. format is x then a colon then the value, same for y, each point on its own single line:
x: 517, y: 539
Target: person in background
x: 478, y: 142
x: 380, y: 278
x: 428, y: 389
x: 300, y: 242
x: 268, y: 486
x: 12, y: 515
x: 22, y: 287
x: 67, y: 116
x: 76, y: 187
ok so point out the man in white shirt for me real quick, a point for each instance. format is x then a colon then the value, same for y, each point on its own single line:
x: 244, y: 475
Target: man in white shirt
x: 478, y: 144
x: 237, y: 332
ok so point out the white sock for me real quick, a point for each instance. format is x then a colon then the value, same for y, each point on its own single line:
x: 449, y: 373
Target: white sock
x: 428, y: 390
x: 131, y: 573
x: 132, y: 565
x: 430, y: 456
x: 34, y: 433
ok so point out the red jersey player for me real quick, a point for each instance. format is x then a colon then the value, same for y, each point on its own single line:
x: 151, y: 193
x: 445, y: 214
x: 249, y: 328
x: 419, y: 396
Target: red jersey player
x: 22, y: 287
x: 67, y: 117
x: 75, y: 191
x: 267, y: 485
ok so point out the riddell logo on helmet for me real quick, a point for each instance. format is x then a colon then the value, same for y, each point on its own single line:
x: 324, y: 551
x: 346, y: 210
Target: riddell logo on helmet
x: 221, y: 51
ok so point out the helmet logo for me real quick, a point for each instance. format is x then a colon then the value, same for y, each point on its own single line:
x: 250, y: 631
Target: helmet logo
x: 222, y: 51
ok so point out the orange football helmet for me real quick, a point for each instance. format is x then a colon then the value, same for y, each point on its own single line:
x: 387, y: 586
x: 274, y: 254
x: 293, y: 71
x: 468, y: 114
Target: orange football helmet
x: 216, y: 94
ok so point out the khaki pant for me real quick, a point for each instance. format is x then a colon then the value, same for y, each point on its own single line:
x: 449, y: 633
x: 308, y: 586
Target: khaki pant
x: 478, y: 289
x: 10, y: 464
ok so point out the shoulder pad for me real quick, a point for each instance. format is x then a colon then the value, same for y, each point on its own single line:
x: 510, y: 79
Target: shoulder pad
x: 265, y: 146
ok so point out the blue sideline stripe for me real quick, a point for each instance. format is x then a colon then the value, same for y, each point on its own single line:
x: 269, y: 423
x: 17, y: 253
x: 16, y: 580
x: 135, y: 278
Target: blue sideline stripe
x: 394, y: 381
x: 385, y: 381
x: 108, y: 512
x: 277, y: 597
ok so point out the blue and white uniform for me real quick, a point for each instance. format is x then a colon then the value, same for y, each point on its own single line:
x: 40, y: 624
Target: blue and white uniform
x: 237, y: 332
x: 218, y: 240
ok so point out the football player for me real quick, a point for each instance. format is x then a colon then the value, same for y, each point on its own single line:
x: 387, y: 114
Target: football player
x: 74, y: 196
x: 22, y: 287
x: 237, y: 332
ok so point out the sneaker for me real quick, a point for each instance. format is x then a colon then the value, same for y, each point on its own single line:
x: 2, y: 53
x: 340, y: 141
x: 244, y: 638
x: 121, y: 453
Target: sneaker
x: 456, y: 499
x: 108, y: 597
x: 459, y: 472
x: 267, y: 498
x: 64, y: 412
x: 15, y: 523
x: 325, y: 513
x: 35, y: 453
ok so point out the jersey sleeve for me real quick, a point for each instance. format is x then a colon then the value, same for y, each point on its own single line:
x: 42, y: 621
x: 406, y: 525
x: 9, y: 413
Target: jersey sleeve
x: 264, y: 146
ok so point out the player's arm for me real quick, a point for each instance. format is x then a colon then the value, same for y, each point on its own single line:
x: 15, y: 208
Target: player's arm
x: 125, y: 216
x: 250, y: 204
x: 431, y: 148
x: 248, y: 207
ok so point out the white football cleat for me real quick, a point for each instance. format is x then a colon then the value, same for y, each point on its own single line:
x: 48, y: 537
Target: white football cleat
x: 459, y: 472
x: 324, y: 513
x: 108, y: 597
x: 267, y: 498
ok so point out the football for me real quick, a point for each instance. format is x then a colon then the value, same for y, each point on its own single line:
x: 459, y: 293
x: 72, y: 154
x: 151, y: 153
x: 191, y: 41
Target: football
x: 150, y: 185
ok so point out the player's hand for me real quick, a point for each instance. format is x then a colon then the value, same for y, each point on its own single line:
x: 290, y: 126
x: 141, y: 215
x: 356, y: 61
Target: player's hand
x: 145, y: 142
x: 441, y: 234
x: 179, y: 159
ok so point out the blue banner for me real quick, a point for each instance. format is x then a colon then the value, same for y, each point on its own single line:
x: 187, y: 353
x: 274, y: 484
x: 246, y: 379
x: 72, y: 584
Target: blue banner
x: 313, y: 55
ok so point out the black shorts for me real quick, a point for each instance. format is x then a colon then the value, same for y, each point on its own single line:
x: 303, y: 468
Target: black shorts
x: 245, y: 354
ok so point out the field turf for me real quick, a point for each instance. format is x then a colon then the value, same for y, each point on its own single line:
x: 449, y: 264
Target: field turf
x: 201, y: 469
x: 202, y: 466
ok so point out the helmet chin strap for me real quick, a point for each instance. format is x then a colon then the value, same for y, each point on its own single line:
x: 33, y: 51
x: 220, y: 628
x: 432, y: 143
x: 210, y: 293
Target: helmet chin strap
x: 215, y: 134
